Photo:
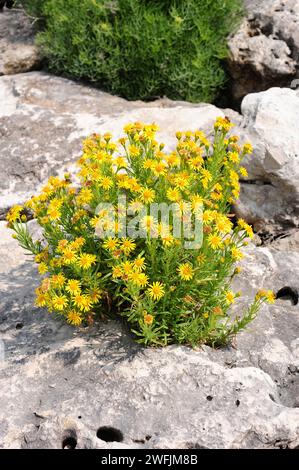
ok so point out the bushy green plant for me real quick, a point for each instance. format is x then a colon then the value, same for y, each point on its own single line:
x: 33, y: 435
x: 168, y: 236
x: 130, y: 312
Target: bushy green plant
x: 141, y: 49
x: 108, y: 246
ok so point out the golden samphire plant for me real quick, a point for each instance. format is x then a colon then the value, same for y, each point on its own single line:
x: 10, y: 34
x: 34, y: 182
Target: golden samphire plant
x: 105, y: 249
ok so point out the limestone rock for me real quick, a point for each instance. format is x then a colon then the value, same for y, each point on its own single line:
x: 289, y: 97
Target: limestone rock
x: 265, y: 50
x: 270, y: 196
x: 55, y: 378
x: 43, y: 120
x: 18, y: 52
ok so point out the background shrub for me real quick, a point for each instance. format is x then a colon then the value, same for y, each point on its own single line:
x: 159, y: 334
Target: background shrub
x: 140, y: 48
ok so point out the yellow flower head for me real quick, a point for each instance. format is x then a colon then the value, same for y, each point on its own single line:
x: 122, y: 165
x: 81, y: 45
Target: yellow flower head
x: 247, y: 148
x: 57, y: 280
x: 134, y: 151
x: 73, y: 287
x: 173, y: 194
x: 106, y: 182
x: 117, y: 272
x: 82, y: 302
x: 127, y: 246
x: 69, y: 256
x: 139, y: 264
x: 156, y: 290
x: 59, y: 302
x: 185, y: 271
x: 74, y: 318
x: 147, y: 195
x: 214, y: 241
x: 42, y: 268
x: 230, y: 297
x: 111, y: 244
x: 148, y: 319
x: 270, y: 297
x: 86, y: 260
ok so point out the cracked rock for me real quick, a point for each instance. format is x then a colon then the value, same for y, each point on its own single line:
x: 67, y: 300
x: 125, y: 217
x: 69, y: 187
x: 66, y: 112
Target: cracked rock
x: 265, y: 50
x: 18, y: 52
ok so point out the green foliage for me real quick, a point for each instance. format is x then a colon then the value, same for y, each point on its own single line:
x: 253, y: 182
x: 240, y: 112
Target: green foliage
x: 140, y: 48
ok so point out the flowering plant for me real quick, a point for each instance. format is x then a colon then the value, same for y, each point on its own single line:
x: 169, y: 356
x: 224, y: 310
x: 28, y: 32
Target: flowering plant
x: 145, y: 234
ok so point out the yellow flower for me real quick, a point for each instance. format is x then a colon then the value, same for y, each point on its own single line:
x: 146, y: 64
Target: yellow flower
x: 69, y: 256
x: 57, y: 280
x: 214, y: 241
x: 82, y: 302
x: 201, y: 258
x: 138, y: 264
x: 41, y: 298
x: 270, y: 297
x: 223, y: 224
x: 185, y: 271
x: 127, y: 267
x: 127, y: 246
x: 167, y: 240
x: 42, y: 268
x: 148, y: 319
x: 236, y: 253
x: 159, y: 168
x: 148, y: 222
x: 14, y: 214
x: 95, y: 294
x: 142, y: 280
x: 172, y: 159
x: 208, y: 216
x: 196, y: 163
x: 59, y: 302
x: 86, y: 260
x: 234, y: 157
x: 243, y: 172
x: 147, y: 195
x: 247, y: 148
x: 74, y: 318
x: 156, y: 290
x: 106, y: 182
x: 134, y: 151
x: 173, y: 195
x: 116, y: 272
x: 53, y: 213
x: 230, y: 297
x: 120, y: 162
x: 73, y: 287
x: 148, y: 164
x: 111, y: 244
x: 85, y: 196
x: 134, y: 277
x: 182, y: 180
x: 246, y: 227
x: 77, y: 243
x: 223, y: 124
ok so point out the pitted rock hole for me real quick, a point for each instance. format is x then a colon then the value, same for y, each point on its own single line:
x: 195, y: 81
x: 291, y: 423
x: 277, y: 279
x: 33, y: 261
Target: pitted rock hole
x: 69, y: 440
x: 110, y: 434
x: 209, y: 398
x: 19, y: 325
x: 288, y: 293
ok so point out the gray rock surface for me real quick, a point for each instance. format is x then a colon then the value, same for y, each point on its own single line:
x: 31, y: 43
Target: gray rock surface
x: 18, y: 52
x: 43, y: 120
x: 265, y: 50
x: 270, y: 195
x: 55, y: 378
